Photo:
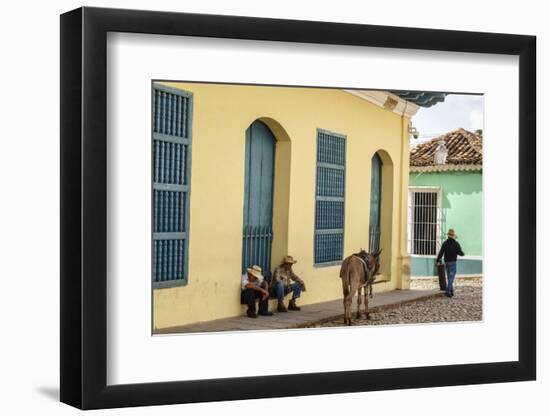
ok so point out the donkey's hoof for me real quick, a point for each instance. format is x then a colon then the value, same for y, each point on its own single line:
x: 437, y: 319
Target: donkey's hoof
x: 368, y: 316
x: 358, y: 315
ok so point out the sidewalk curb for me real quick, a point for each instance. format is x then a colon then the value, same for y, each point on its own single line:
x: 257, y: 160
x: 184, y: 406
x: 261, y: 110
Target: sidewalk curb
x: 370, y: 310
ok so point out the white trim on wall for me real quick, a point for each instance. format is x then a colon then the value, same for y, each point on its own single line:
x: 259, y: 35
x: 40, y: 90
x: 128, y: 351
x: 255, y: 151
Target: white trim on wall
x: 467, y: 257
x: 420, y: 277
x: 387, y: 101
x: 447, y: 167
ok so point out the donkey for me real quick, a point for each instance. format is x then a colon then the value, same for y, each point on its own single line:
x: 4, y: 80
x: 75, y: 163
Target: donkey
x: 357, y: 273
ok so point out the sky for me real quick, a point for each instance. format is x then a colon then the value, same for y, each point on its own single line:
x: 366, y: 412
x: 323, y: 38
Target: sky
x: 458, y: 110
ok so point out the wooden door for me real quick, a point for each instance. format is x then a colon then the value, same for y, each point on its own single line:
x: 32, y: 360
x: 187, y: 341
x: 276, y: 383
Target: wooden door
x: 375, y: 203
x: 258, y: 197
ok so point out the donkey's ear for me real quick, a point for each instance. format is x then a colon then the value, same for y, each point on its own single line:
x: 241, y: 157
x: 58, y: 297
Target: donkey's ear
x: 379, y: 252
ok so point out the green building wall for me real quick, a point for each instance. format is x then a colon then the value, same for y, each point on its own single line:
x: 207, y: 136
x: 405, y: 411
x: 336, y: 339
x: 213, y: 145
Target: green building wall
x: 461, y: 210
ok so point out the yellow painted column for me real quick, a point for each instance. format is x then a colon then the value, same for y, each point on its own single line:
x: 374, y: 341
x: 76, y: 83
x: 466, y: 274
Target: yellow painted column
x: 403, y: 259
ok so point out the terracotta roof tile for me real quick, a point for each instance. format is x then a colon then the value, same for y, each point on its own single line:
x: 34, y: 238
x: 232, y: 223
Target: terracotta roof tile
x: 463, y: 147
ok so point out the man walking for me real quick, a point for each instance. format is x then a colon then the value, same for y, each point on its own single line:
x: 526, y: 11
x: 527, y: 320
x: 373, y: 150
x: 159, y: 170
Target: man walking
x: 285, y: 281
x: 253, y: 286
x: 449, y: 250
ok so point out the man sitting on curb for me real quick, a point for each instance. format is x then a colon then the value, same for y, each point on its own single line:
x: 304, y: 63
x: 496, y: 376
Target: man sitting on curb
x: 285, y: 281
x: 254, y: 286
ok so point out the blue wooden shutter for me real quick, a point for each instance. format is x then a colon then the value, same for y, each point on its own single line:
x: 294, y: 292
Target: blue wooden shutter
x: 375, y: 202
x: 171, y: 184
x: 258, y: 197
x: 329, y: 197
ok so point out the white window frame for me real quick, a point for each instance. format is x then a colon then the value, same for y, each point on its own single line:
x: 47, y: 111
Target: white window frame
x: 410, y: 229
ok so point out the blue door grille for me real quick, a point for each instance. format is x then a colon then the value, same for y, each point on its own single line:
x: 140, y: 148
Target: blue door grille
x: 258, y: 197
x: 171, y: 184
x: 330, y: 197
x: 375, y: 203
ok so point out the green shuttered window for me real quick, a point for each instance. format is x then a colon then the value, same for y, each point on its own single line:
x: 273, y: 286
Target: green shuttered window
x: 171, y: 184
x: 330, y: 197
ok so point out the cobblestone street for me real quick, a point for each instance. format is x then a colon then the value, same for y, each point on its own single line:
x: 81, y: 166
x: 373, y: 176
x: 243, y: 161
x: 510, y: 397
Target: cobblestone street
x: 466, y: 305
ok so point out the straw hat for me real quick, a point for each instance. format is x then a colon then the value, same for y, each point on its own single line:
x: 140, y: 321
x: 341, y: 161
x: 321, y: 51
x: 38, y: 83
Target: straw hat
x: 451, y: 233
x: 255, y: 271
x: 289, y: 260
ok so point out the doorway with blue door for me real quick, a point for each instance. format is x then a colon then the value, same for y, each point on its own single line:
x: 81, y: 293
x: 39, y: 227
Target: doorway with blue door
x: 258, y: 197
x: 375, y: 203
x: 382, y: 217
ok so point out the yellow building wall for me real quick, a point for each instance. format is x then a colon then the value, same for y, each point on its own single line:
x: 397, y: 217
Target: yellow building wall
x: 221, y: 115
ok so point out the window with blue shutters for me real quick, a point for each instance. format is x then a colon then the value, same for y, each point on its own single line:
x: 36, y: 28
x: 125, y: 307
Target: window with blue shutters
x: 172, y: 114
x: 330, y: 197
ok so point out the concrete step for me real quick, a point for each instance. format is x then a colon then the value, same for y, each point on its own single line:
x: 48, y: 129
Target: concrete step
x: 309, y: 315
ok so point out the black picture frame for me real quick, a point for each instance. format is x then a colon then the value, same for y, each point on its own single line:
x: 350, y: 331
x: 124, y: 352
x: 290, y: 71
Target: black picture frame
x: 84, y: 179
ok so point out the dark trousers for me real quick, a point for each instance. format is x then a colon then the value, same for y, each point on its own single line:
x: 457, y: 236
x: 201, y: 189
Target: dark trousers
x: 249, y: 297
x: 451, y: 272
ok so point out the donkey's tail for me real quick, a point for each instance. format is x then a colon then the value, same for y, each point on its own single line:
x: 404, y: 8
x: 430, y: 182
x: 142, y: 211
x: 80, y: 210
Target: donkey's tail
x: 346, y: 286
x: 345, y: 275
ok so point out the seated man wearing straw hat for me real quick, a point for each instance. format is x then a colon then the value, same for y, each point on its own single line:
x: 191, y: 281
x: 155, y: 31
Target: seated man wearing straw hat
x: 254, y: 286
x: 285, y: 281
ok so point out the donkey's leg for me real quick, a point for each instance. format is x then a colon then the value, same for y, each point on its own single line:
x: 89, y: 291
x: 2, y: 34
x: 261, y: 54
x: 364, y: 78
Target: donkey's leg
x: 346, y: 309
x: 353, y: 290
x: 366, y: 296
x: 348, y: 299
x: 345, y: 291
x: 359, y: 302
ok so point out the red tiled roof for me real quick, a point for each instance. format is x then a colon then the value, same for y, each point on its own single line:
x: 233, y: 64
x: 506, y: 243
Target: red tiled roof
x: 463, y: 148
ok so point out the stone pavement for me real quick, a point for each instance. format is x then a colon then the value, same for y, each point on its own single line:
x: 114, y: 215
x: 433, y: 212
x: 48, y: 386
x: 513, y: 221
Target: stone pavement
x: 309, y: 315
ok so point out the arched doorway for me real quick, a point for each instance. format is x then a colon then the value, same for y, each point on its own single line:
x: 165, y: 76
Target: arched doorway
x: 382, y: 211
x: 375, y: 203
x: 258, y: 197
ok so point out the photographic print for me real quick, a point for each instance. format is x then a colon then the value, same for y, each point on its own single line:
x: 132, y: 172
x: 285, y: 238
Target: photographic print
x: 328, y: 179
x: 279, y: 207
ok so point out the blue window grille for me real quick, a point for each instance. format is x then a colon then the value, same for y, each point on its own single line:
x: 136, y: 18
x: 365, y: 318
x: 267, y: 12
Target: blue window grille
x: 330, y: 198
x: 172, y: 116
